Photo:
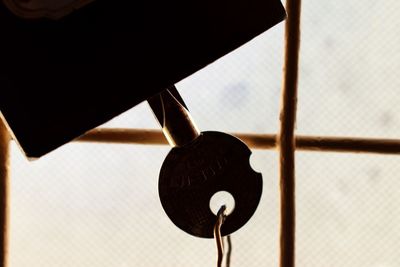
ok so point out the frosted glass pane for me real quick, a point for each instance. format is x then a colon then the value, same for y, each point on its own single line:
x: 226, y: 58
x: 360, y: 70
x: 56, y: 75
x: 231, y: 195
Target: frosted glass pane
x: 348, y: 210
x: 98, y: 205
x: 350, y: 59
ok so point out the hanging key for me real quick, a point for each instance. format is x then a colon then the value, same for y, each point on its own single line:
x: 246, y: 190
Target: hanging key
x: 199, y: 165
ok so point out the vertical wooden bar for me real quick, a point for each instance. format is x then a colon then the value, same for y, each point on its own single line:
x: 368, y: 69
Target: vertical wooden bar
x: 286, y: 138
x: 4, y: 167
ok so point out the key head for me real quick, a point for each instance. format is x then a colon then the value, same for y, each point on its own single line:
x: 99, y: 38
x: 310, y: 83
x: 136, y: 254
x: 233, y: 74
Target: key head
x: 192, y: 174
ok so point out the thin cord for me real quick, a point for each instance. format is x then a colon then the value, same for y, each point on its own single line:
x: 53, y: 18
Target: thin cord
x: 229, y: 251
x: 217, y: 234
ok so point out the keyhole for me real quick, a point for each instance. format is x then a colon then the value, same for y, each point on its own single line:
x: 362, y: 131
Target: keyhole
x: 222, y: 198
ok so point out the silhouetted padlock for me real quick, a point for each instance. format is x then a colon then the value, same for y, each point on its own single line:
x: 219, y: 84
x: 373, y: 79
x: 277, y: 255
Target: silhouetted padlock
x: 62, y: 75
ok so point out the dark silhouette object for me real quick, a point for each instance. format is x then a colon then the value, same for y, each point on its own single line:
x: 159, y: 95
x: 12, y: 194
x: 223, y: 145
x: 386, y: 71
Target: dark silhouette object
x: 61, y: 78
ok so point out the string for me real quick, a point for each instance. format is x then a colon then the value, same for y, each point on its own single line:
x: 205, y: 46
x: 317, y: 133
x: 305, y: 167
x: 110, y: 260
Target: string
x: 221, y: 216
x: 229, y: 251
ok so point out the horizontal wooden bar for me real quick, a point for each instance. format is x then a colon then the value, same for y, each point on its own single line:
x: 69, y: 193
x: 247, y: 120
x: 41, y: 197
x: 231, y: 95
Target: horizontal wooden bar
x: 256, y: 141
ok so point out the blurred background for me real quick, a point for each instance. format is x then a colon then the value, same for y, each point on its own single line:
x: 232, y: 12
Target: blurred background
x: 97, y: 204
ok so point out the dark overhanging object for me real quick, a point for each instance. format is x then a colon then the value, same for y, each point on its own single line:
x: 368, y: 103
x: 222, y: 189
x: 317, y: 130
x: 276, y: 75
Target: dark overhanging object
x: 61, y: 78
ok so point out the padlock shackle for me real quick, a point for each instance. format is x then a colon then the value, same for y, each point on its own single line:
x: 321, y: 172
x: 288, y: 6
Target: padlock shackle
x: 175, y: 120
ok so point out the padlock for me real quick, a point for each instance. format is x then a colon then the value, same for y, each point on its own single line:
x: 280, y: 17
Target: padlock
x: 61, y: 76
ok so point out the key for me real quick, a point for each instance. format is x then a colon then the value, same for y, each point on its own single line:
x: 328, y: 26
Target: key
x: 199, y: 165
